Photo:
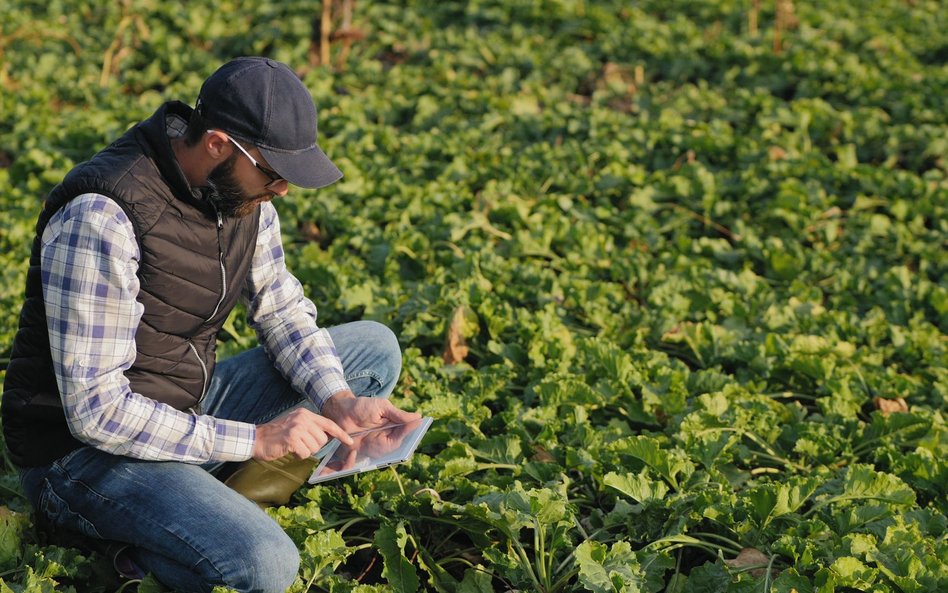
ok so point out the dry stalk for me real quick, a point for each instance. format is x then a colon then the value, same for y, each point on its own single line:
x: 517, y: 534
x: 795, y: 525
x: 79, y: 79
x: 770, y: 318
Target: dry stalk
x: 118, y: 50
x: 784, y: 21
x: 752, y: 18
x: 321, y: 41
x: 325, y: 29
x: 347, y: 38
x: 28, y: 32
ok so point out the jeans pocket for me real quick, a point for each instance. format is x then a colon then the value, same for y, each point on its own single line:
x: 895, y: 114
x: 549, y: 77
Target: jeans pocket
x: 365, y: 383
x: 60, y: 516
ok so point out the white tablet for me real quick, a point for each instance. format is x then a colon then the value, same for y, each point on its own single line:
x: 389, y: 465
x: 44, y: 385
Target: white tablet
x: 371, y: 449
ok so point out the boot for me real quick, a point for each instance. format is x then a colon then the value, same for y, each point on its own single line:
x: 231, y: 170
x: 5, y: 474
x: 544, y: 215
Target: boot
x: 271, y: 483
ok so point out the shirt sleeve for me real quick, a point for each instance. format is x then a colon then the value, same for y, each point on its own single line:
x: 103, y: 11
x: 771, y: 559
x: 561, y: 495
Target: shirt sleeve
x: 89, y: 261
x: 285, y: 320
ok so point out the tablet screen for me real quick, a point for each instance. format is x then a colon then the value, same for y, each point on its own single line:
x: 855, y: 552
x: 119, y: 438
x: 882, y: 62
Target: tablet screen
x: 371, y: 449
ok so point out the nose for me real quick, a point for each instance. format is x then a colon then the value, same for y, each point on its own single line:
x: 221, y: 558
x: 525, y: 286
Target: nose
x: 281, y: 189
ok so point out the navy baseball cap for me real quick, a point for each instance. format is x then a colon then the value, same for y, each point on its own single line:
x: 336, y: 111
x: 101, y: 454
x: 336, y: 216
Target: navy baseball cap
x: 264, y: 103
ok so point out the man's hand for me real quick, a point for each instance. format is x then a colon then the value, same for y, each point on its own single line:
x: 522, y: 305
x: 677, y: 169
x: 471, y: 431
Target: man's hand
x: 360, y: 413
x: 300, y: 432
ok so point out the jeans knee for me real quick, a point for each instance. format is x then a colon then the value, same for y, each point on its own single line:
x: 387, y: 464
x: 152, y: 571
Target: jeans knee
x: 371, y: 356
x: 389, y: 345
x: 268, y: 565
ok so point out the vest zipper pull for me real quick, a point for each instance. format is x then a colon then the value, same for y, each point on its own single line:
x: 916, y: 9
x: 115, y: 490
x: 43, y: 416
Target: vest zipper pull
x: 220, y: 219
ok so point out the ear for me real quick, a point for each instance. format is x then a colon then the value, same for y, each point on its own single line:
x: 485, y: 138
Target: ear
x: 216, y: 145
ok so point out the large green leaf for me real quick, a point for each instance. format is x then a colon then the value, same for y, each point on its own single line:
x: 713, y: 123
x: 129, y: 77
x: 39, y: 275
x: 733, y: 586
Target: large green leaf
x: 398, y: 570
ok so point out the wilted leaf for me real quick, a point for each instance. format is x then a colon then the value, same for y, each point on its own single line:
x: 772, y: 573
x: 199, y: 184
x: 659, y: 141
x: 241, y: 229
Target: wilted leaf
x: 310, y: 231
x: 776, y: 153
x: 889, y: 406
x: 463, y: 325
x: 541, y: 454
x: 752, y: 559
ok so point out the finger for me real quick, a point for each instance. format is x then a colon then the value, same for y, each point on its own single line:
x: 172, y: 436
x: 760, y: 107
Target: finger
x: 299, y: 451
x: 272, y: 453
x: 332, y: 429
x: 310, y: 442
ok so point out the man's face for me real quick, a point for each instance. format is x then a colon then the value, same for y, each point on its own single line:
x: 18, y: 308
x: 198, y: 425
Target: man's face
x: 228, y: 194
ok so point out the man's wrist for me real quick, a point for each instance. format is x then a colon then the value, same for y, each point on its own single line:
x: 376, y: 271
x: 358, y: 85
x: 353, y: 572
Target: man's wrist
x: 335, y: 402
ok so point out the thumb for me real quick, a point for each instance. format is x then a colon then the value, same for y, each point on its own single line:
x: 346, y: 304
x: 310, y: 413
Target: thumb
x: 396, y: 416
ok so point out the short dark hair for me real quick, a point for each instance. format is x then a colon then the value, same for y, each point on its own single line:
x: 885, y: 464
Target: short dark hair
x: 197, y: 125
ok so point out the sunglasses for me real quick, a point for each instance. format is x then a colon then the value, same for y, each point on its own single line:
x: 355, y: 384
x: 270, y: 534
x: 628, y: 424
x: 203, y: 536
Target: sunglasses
x: 273, y: 176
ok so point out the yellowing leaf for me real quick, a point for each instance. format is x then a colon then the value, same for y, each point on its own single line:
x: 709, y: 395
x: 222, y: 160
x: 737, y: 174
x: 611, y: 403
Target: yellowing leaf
x: 11, y: 529
x: 607, y: 570
x: 851, y: 572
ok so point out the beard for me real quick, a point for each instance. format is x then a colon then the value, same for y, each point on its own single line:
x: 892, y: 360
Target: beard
x: 227, y: 195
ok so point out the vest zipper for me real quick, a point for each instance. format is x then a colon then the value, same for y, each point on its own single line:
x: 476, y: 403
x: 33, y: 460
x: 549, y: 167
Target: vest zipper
x: 220, y: 251
x: 220, y: 257
x: 197, y: 406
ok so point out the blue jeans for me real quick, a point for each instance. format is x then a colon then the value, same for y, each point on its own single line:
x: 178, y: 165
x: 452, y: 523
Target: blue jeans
x: 182, y: 524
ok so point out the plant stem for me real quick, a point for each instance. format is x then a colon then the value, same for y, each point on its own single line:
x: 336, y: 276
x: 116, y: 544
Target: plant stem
x: 767, y: 576
x: 565, y: 579
x: 844, y: 498
x: 528, y: 566
x: 127, y: 583
x: 769, y: 452
x: 539, y: 544
x: 679, y: 541
x: 732, y: 545
x: 398, y: 479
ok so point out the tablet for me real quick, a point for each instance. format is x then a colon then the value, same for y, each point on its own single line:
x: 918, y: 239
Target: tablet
x: 371, y: 449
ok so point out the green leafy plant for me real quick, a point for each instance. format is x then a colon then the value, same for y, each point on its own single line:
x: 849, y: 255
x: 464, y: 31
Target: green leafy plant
x: 670, y: 276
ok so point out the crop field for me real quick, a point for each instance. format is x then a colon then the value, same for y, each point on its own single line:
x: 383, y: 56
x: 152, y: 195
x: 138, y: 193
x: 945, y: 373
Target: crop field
x: 671, y: 275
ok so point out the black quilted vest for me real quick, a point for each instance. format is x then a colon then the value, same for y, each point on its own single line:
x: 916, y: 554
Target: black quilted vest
x: 193, y: 266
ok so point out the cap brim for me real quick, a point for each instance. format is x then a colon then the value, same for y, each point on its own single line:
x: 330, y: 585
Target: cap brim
x: 306, y: 168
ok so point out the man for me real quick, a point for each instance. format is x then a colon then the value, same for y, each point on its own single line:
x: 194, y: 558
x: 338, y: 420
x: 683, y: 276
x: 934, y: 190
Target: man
x: 113, y: 407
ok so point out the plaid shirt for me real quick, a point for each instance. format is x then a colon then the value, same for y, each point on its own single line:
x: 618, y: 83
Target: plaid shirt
x: 89, y: 263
